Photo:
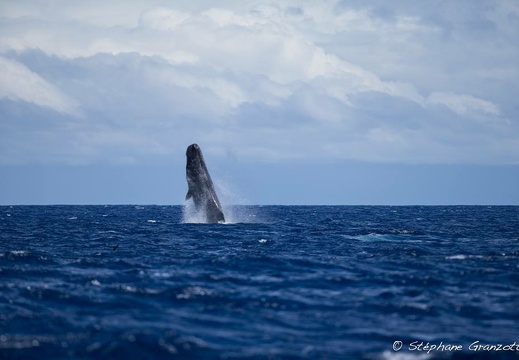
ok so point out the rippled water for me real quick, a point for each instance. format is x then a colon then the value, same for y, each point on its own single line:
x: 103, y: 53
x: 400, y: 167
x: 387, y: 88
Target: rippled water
x: 277, y: 282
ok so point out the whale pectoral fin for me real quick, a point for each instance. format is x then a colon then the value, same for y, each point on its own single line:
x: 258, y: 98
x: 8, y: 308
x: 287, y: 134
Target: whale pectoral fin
x: 189, y: 195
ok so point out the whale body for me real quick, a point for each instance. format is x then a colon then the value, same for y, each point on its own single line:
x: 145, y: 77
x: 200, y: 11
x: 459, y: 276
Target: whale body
x: 200, y: 186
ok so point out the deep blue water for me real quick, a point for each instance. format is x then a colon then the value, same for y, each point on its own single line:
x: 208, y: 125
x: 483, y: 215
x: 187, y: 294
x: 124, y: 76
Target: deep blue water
x: 281, y: 282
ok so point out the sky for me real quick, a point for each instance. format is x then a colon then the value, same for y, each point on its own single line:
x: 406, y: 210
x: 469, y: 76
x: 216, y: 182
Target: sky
x: 293, y: 102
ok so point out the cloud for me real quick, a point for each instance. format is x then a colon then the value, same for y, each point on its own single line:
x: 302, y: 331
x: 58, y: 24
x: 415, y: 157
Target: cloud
x: 271, y: 82
x: 463, y: 104
x: 20, y: 83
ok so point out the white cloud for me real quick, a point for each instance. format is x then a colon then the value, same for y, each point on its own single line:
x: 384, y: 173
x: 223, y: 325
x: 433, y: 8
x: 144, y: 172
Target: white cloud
x: 463, y: 104
x: 20, y: 83
x: 290, y: 80
x: 163, y: 19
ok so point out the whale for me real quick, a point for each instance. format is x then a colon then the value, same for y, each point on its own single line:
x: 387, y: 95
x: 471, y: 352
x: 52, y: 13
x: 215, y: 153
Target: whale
x: 200, y: 186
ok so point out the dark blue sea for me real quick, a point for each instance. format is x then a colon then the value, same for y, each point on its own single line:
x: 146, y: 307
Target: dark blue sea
x: 276, y: 282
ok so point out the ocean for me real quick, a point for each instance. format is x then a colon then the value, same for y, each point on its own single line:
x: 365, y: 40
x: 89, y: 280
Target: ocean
x: 275, y: 282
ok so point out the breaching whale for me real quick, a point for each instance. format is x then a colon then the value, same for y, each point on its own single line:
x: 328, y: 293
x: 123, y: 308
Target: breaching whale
x: 200, y: 186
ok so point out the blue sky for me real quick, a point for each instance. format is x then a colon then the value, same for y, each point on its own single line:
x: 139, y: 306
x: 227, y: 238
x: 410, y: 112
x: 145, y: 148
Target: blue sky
x: 299, y: 102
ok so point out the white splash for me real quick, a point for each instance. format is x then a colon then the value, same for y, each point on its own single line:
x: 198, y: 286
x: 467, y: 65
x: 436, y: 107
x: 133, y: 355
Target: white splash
x: 236, y: 214
x: 227, y: 194
x: 190, y: 215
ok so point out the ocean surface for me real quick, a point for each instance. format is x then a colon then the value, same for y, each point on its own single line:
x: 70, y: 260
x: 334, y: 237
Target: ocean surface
x: 276, y: 282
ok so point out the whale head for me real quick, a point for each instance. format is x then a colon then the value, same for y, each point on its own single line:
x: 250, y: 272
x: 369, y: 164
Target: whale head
x: 193, y: 150
x: 195, y: 161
